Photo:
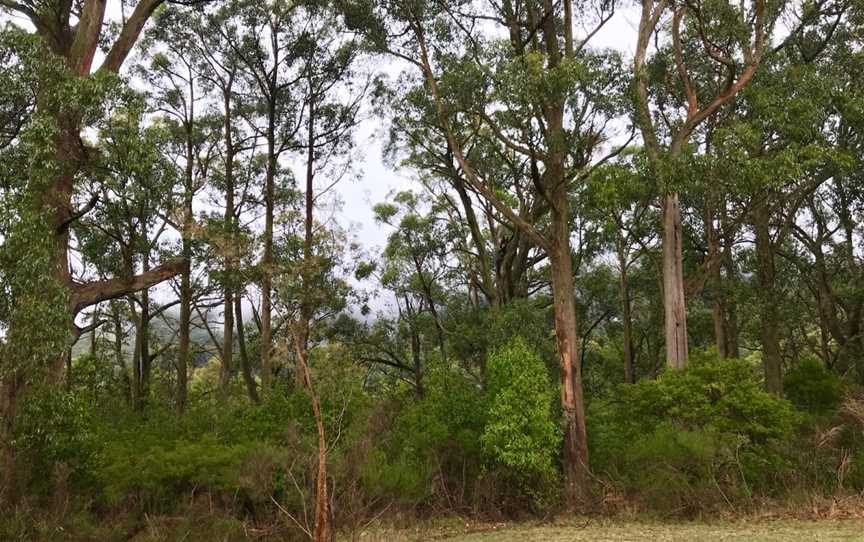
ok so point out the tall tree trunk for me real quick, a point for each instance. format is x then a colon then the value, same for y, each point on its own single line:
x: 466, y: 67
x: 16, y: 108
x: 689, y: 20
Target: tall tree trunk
x: 94, y: 317
x: 309, y: 266
x: 488, y: 288
x: 10, y: 388
x: 769, y: 317
x: 230, y: 260
x: 417, y: 362
x: 674, y: 308
x: 576, y: 472
x: 626, y: 317
x: 731, y: 306
x: 117, y: 319
x: 137, y: 400
x: 323, y: 531
x: 146, y: 359
x: 267, y: 261
x: 715, y: 281
x: 183, y: 348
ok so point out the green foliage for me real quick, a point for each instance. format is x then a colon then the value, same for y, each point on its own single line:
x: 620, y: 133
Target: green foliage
x: 482, y: 331
x: 152, y: 467
x: 55, y: 428
x: 813, y: 387
x: 709, y: 424
x: 671, y: 469
x: 504, y: 439
x: 521, y: 433
x: 437, y: 435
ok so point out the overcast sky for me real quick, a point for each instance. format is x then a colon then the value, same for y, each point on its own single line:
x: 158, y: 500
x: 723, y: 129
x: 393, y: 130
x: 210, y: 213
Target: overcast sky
x: 377, y: 179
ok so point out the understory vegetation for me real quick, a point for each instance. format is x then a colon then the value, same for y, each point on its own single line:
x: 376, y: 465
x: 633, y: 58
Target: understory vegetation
x: 703, y: 441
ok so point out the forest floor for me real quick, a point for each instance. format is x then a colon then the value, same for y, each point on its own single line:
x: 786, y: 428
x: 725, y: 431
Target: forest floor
x: 627, y: 531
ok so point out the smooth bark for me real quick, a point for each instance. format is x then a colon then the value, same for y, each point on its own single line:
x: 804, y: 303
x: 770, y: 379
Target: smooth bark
x: 768, y: 315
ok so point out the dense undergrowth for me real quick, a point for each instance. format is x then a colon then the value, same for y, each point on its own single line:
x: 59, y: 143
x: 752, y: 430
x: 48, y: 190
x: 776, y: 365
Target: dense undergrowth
x: 687, y: 443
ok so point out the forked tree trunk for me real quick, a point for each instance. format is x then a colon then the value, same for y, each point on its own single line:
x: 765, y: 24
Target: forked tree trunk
x: 674, y: 308
x: 251, y: 386
x: 77, y: 46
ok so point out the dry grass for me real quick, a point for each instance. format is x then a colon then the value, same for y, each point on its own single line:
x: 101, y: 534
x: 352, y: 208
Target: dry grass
x: 624, y: 531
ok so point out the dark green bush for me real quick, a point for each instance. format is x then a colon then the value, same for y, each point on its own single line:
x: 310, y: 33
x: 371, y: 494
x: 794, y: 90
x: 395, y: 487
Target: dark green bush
x: 678, y: 470
x: 710, y: 429
x: 55, y: 429
x: 436, y: 437
x: 157, y: 468
x: 813, y: 387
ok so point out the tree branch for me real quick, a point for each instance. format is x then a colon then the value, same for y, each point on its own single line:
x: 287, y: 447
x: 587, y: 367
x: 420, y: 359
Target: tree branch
x: 85, y: 295
x: 129, y: 34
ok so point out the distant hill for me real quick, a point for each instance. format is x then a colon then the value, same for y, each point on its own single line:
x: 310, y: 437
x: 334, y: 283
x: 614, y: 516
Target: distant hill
x: 162, y: 329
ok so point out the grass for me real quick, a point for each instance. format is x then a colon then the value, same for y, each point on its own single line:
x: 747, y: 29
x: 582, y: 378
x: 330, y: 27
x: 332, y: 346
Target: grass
x: 624, y: 531
x: 810, y: 525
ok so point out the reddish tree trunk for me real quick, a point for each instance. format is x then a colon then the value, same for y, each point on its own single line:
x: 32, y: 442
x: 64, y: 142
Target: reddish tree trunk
x: 576, y: 472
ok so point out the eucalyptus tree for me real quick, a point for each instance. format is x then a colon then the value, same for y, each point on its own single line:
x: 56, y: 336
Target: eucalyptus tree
x: 620, y: 200
x: 265, y: 36
x: 69, y: 95
x: 415, y: 260
x: 499, y: 259
x: 776, y: 163
x: 545, y: 95
x: 221, y: 66
x: 66, y: 105
x: 819, y: 208
x: 179, y: 92
x: 313, y: 287
x: 713, y: 50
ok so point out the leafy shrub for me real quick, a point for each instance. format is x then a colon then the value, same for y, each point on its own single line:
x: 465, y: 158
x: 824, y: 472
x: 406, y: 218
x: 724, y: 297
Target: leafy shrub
x: 156, y: 469
x: 712, y: 425
x: 432, y: 444
x: 677, y: 470
x: 55, y: 428
x: 813, y: 387
x: 464, y: 447
x: 521, y: 433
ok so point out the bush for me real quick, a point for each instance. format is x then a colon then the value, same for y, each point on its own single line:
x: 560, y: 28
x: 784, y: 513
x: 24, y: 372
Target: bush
x: 711, y: 429
x: 156, y: 463
x: 813, y: 387
x: 54, y: 430
x: 432, y: 445
x: 521, y: 434
x: 678, y: 470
